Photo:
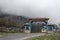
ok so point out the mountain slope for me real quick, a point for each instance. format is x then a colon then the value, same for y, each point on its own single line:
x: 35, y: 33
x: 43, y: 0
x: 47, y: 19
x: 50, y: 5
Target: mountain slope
x: 19, y: 19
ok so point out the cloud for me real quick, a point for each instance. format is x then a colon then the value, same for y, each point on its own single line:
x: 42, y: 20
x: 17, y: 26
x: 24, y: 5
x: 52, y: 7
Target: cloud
x: 33, y: 8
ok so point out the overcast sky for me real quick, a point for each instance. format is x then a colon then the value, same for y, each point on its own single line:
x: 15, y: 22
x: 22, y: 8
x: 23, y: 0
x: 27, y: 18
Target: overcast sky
x: 33, y: 8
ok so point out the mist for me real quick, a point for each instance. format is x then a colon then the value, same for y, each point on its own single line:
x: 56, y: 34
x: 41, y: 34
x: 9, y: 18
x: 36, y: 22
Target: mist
x: 33, y: 8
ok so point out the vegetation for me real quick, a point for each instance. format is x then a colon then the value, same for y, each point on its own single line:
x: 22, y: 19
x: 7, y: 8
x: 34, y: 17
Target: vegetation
x: 9, y: 26
x: 8, y: 34
x: 46, y: 37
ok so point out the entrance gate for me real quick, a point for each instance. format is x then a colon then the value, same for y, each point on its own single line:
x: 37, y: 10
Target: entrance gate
x: 31, y: 20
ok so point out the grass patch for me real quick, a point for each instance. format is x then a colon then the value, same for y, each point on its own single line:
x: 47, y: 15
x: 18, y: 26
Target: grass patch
x: 46, y: 37
x: 8, y: 34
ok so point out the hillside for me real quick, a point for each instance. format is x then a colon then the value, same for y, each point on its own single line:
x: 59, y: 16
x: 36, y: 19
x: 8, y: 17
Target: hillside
x: 19, y: 19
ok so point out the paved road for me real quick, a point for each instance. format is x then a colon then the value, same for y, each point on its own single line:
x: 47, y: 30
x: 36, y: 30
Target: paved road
x: 21, y: 36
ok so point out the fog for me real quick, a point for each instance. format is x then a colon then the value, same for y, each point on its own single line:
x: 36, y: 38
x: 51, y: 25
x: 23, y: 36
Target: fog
x: 33, y: 8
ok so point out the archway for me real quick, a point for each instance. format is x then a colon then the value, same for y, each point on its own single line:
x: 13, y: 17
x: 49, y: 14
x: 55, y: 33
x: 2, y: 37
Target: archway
x: 31, y: 20
x: 37, y: 27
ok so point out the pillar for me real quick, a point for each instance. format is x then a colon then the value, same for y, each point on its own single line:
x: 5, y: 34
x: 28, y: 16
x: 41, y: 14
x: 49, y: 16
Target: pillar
x: 47, y: 27
x: 30, y: 28
x: 30, y: 25
x: 52, y: 28
x: 25, y: 27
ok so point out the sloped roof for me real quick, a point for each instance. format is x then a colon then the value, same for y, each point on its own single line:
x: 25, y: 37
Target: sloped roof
x: 38, y: 19
x: 51, y: 24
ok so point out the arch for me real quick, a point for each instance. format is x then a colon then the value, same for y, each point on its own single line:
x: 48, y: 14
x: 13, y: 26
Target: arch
x: 41, y: 20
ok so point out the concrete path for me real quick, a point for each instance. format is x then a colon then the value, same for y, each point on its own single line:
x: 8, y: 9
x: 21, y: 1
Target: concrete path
x: 21, y: 36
